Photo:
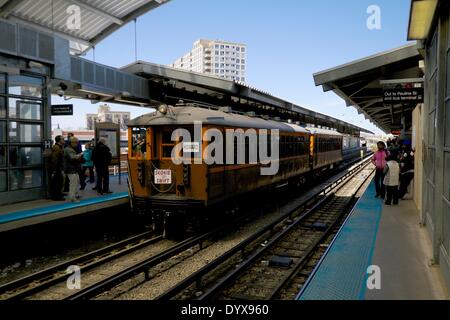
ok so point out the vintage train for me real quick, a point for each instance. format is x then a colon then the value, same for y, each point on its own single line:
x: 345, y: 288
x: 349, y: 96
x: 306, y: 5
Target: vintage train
x: 170, y: 191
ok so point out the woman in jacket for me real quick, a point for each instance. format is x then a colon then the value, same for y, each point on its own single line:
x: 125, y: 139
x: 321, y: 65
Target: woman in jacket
x: 88, y: 163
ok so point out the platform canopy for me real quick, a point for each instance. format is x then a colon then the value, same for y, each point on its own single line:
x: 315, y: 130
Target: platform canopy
x: 360, y: 83
x: 97, y: 18
x: 170, y: 85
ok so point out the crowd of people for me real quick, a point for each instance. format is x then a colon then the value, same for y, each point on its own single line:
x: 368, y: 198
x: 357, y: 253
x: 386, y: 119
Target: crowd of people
x: 394, y: 164
x: 70, y: 167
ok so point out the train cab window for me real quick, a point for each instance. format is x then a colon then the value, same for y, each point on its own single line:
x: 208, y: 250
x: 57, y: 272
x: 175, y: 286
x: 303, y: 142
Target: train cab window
x: 138, y: 143
x: 167, y: 144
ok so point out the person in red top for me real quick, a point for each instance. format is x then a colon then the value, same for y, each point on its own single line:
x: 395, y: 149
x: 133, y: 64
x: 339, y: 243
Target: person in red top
x: 379, y: 160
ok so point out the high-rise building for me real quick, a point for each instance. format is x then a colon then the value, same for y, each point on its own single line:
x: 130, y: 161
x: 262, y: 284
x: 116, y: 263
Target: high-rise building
x: 218, y: 58
x: 106, y: 115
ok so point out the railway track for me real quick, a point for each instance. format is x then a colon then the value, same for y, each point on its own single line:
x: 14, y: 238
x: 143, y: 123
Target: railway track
x: 281, y: 263
x: 51, y: 283
x: 29, y: 285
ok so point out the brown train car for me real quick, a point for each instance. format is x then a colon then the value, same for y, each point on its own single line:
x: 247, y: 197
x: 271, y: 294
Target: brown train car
x: 163, y: 188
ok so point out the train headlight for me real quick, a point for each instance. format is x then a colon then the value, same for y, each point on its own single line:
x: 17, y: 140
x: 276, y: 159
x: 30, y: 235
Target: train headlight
x: 163, y: 109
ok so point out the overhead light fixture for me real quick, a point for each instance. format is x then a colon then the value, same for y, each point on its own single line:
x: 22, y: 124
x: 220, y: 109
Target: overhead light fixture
x: 421, y: 18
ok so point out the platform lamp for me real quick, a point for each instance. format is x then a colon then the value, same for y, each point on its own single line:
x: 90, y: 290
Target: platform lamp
x: 421, y: 18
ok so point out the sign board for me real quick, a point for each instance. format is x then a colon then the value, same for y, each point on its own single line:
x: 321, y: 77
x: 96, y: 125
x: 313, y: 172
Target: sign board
x: 403, y: 95
x: 396, y: 132
x: 163, y: 176
x: 47, y: 144
x: 111, y: 133
x: 62, y: 109
x: 396, y: 126
x: 191, y: 147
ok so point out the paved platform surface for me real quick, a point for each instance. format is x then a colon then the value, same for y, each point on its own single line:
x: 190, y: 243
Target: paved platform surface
x: 388, y: 237
x: 33, y: 212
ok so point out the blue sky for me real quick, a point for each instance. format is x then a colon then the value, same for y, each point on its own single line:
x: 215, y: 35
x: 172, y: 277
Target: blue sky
x: 287, y: 41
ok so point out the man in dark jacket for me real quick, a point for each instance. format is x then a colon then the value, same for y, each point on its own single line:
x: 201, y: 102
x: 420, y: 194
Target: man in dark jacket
x: 101, y: 156
x: 72, y: 168
x: 56, y: 170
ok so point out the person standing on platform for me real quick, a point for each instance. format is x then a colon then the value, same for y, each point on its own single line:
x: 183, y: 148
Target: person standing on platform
x: 72, y: 168
x: 391, y: 180
x: 379, y: 160
x: 101, y: 156
x: 406, y: 171
x: 56, y: 168
x: 88, y: 165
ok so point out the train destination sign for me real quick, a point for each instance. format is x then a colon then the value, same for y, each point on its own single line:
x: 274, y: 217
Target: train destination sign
x: 163, y: 176
x: 62, y: 109
x: 403, y: 95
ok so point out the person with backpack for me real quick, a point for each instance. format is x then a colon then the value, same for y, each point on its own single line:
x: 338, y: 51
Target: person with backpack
x: 379, y: 161
x: 391, y: 180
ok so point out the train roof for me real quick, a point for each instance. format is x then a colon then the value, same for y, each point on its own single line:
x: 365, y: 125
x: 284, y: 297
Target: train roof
x: 189, y: 115
x: 324, y: 131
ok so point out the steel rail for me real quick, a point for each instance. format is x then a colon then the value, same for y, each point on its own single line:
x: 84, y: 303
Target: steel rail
x: 48, y: 277
x: 249, y: 261
x: 197, y: 276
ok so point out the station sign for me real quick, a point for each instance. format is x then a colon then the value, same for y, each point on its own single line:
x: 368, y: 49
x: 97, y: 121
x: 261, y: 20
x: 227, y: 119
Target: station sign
x: 62, y: 109
x: 403, y: 95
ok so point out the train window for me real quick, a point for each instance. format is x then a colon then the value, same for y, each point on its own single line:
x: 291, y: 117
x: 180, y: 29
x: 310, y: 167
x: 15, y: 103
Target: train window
x: 138, y: 142
x: 167, y: 144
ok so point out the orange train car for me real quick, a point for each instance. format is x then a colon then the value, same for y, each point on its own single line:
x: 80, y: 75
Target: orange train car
x: 169, y: 190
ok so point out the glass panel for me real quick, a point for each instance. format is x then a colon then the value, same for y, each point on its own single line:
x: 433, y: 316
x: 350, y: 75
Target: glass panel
x: 25, y: 179
x: 447, y: 175
x: 167, y: 137
x: 432, y: 93
x: 13, y: 132
x: 30, y: 132
x: 431, y: 158
x: 448, y: 73
x: 3, y: 156
x: 3, y: 182
x: 2, y: 131
x: 446, y: 226
x: 2, y: 83
x: 25, y: 86
x: 25, y: 109
x: 2, y: 107
x: 138, y: 142
x: 25, y: 156
x: 431, y: 128
x: 447, y: 124
x: 430, y: 202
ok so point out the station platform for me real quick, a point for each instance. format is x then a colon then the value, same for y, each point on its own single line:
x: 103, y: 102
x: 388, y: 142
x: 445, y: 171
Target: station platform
x: 389, y: 240
x: 29, y: 213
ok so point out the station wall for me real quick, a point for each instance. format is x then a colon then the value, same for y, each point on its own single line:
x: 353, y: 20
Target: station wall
x: 436, y: 149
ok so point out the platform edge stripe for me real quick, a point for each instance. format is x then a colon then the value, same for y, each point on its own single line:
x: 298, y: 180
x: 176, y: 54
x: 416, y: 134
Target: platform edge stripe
x: 362, y: 294
x: 325, y: 283
x: 24, y: 214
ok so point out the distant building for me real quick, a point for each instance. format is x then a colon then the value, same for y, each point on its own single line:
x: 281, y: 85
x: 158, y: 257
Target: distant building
x: 106, y: 115
x: 218, y: 58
